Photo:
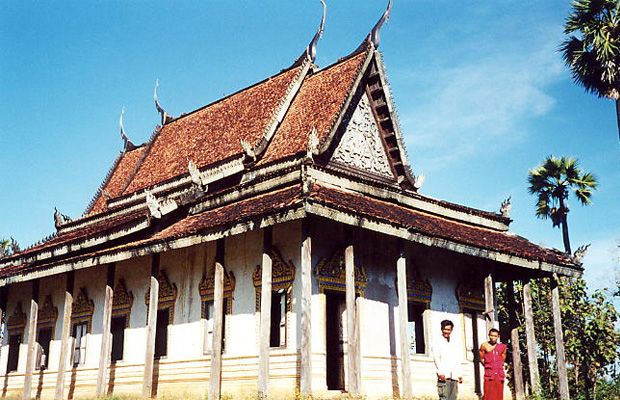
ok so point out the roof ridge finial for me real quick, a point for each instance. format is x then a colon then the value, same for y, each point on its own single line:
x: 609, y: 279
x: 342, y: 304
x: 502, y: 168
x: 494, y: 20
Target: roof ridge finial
x: 128, y: 144
x: 373, y: 36
x: 165, y: 117
x: 310, y: 52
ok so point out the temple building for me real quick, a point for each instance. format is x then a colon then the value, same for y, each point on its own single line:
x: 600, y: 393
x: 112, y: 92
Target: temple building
x: 272, y: 242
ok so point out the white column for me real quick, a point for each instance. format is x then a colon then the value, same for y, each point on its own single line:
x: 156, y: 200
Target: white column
x: 403, y: 319
x: 305, y: 383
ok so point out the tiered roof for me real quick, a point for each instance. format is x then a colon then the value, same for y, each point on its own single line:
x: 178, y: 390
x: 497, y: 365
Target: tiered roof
x: 264, y: 156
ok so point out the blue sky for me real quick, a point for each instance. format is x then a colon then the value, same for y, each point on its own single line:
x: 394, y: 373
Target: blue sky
x: 481, y: 92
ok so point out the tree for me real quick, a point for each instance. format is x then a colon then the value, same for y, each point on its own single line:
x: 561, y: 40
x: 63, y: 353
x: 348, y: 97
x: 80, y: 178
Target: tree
x: 552, y: 181
x: 594, y: 57
x: 8, y: 247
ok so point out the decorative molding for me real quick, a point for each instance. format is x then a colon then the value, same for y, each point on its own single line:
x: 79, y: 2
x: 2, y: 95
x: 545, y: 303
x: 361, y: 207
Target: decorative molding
x: 82, y: 309
x: 331, y: 275
x: 470, y: 294
x: 360, y: 146
x: 122, y: 301
x: 206, y: 288
x: 167, y: 295
x: 282, y: 277
x: 48, y: 314
x: 418, y: 288
x: 17, y: 322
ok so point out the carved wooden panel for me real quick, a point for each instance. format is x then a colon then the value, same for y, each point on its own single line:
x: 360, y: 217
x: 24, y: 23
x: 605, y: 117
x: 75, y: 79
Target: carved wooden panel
x: 206, y: 289
x: 83, y: 309
x: 282, y: 277
x: 470, y: 294
x: 167, y: 295
x: 330, y: 273
x: 418, y: 288
x: 361, y: 146
x: 122, y: 301
x: 17, y: 322
x: 48, y: 314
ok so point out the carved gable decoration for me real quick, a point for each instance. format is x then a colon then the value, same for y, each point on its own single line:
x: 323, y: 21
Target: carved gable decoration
x: 331, y: 274
x: 122, y: 301
x: 282, y: 277
x: 470, y: 294
x: 418, y: 288
x: 361, y: 146
x: 82, y: 309
x: 48, y: 314
x: 282, y: 272
x: 17, y: 321
x: 167, y: 295
x: 207, y: 285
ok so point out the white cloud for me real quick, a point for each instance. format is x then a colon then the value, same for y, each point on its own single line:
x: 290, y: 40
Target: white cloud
x: 483, y: 102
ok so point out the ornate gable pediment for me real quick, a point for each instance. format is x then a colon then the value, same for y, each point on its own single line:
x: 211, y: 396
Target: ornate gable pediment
x: 360, y: 146
x: 207, y: 284
x: 331, y: 273
x: 48, y: 314
x: 17, y: 321
x: 470, y: 294
x: 418, y: 288
x: 122, y: 301
x: 167, y: 295
x: 282, y: 272
x: 82, y: 309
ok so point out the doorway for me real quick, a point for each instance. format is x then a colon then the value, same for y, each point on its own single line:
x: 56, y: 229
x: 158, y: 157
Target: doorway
x: 335, y: 316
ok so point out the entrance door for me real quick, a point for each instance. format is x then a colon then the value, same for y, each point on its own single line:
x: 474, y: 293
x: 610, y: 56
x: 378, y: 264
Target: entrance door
x: 335, y: 317
x: 474, y: 331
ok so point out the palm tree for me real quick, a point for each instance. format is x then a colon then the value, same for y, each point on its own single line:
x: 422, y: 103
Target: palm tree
x: 594, y: 59
x: 552, y: 181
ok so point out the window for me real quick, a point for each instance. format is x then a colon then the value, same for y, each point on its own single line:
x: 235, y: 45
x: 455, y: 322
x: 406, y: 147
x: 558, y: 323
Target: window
x: 14, y: 343
x: 80, y: 330
x: 415, y: 327
x: 161, y: 333
x: 117, y: 329
x: 44, y: 337
x: 278, y: 318
x: 209, y: 316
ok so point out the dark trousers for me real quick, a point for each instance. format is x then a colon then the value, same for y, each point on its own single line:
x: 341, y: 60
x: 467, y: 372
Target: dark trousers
x: 448, y: 390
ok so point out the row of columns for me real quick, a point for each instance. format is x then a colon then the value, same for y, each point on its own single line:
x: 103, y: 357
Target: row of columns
x: 352, y: 315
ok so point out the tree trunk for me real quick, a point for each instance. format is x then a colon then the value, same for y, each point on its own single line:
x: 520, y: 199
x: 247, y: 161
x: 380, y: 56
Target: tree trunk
x: 564, y: 214
x: 618, y: 114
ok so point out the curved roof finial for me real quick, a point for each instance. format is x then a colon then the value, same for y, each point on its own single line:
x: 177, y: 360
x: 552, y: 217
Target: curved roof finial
x: 373, y: 36
x: 128, y: 144
x: 165, y: 117
x: 310, y: 52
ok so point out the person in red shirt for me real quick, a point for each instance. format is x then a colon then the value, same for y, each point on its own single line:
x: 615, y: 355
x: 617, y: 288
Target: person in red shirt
x: 492, y: 357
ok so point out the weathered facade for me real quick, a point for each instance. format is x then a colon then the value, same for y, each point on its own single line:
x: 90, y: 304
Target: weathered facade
x: 292, y: 253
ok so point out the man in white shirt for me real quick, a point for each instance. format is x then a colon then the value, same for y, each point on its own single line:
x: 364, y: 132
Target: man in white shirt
x: 447, y: 357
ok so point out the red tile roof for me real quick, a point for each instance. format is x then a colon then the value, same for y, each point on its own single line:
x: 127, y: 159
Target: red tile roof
x: 434, y: 226
x: 317, y: 105
x: 213, y: 133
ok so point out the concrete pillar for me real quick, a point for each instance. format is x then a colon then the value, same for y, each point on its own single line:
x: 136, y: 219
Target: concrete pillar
x: 31, y: 356
x: 559, y: 340
x: 403, y: 319
x: 516, y: 348
x: 215, y: 379
x: 265, y: 318
x: 305, y: 383
x: 531, y: 338
x: 151, y: 330
x: 106, y: 336
x: 65, y: 344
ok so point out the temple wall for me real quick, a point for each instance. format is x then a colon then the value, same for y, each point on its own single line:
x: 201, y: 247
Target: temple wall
x: 186, y: 368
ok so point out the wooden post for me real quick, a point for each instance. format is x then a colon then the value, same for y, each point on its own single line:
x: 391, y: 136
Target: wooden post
x: 265, y: 318
x: 151, y: 326
x: 305, y: 382
x: 32, y: 341
x: 489, y: 302
x: 403, y: 319
x: 106, y: 336
x: 66, y: 336
x: 559, y: 339
x: 215, y: 379
x: 516, y: 348
x: 352, y: 332
x: 531, y: 338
